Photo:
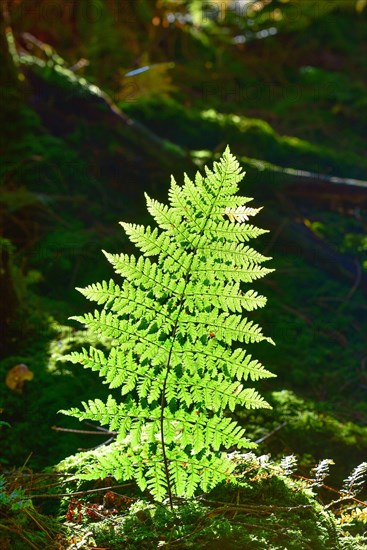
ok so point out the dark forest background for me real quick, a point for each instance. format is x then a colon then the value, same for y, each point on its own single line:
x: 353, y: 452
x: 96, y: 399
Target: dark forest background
x: 102, y: 100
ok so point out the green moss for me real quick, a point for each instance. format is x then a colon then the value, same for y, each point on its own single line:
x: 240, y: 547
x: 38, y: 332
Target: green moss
x: 250, y: 137
x: 43, y: 397
x: 273, y: 512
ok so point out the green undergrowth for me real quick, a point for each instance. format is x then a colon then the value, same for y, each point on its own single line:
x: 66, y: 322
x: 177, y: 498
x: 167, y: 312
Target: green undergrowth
x: 309, y: 430
x: 269, y: 506
x: 264, y: 510
x: 22, y: 526
x: 195, y: 525
x: 320, y: 328
x: 347, y: 234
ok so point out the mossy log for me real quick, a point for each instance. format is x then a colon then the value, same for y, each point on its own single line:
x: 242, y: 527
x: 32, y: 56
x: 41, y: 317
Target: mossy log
x: 318, y: 188
x: 136, y: 154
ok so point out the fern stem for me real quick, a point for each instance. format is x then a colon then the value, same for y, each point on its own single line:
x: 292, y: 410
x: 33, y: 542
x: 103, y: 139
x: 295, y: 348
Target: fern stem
x: 168, y: 366
x: 163, y: 400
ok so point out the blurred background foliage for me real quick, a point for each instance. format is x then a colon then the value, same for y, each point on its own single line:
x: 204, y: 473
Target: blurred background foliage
x: 104, y: 100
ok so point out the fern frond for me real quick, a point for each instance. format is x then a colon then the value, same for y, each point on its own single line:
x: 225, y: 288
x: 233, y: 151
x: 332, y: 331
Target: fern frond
x: 156, y: 480
x: 233, y: 252
x: 227, y: 327
x: 222, y: 296
x: 235, y: 363
x: 172, y: 323
x: 288, y: 464
x: 241, y: 214
x: 354, y: 483
x: 235, y: 233
x: 101, y: 292
x: 321, y: 471
x: 149, y: 241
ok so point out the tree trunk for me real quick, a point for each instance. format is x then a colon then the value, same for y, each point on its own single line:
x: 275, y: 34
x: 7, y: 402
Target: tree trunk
x: 10, y: 114
x: 10, y: 126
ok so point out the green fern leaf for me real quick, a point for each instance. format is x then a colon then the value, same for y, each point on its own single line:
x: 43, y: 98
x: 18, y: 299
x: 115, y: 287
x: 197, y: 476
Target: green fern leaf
x: 171, y: 325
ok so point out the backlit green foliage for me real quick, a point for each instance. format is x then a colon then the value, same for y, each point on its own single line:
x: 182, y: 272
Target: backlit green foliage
x: 173, y: 322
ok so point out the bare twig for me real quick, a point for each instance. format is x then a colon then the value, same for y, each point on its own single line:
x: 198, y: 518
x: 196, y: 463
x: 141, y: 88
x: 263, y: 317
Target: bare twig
x: 80, y: 493
x: 354, y: 287
x: 88, y: 432
x: 271, y: 433
x: 253, y: 508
